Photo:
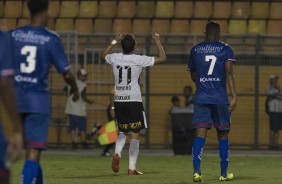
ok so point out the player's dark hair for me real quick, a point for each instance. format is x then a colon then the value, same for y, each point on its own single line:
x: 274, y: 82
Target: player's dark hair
x: 37, y: 6
x: 212, y: 28
x: 174, y: 99
x: 127, y: 44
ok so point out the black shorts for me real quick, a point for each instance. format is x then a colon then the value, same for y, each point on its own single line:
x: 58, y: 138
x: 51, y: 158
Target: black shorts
x: 130, y: 116
x: 275, y: 119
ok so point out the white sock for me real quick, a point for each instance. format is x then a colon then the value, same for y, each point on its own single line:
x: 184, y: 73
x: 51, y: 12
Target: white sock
x: 133, y: 153
x: 120, y: 143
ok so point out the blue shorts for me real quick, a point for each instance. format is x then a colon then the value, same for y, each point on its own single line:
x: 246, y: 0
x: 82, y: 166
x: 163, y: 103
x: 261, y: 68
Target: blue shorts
x: 4, y: 171
x: 208, y: 115
x: 77, y: 122
x: 36, y: 130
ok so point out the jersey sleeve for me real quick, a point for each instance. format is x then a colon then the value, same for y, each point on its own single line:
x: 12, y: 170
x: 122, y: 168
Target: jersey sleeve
x: 191, y: 62
x: 146, y: 61
x: 57, y: 55
x: 110, y: 58
x: 230, y: 55
x: 6, y: 57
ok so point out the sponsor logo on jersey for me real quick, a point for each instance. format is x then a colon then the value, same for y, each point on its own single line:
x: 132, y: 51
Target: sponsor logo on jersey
x: 210, y: 79
x: 122, y: 97
x: 123, y: 88
x: 20, y: 78
x: 30, y: 37
x: 208, y: 49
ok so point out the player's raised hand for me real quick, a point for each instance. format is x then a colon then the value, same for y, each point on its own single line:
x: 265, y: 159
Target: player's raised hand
x: 15, y: 147
x: 118, y: 36
x: 232, y: 104
x: 155, y: 36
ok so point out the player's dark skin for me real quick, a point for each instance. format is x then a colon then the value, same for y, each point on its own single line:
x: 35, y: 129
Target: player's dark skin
x: 221, y: 134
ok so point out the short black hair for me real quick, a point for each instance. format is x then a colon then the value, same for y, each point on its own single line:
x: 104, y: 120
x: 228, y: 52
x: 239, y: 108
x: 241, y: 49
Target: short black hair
x: 212, y: 28
x: 37, y: 6
x: 174, y: 99
x: 128, y: 43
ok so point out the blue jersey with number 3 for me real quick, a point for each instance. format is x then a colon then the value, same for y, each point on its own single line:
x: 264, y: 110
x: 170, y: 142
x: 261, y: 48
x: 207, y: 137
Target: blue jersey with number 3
x: 208, y: 59
x: 35, y: 49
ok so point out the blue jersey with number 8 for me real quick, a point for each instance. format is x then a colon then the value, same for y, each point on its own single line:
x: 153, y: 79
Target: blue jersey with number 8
x: 208, y: 59
x: 35, y: 49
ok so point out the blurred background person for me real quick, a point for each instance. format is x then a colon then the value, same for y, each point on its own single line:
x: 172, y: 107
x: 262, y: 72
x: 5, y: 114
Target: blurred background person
x: 76, y: 110
x: 274, y: 110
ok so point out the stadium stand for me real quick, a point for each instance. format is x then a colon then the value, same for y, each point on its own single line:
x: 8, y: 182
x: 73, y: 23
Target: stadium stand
x: 274, y: 27
x: 161, y: 25
x: 8, y: 23
x: 84, y: 26
x: 126, y: 9
x: 10, y: 7
x: 54, y: 9
x: 103, y: 26
x: 141, y: 26
x: 107, y: 9
x: 88, y: 9
x: 197, y: 26
x: 69, y: 9
x: 237, y: 27
x: 124, y: 25
x: 202, y: 9
x: 179, y: 26
x: 164, y: 9
x: 275, y: 10
x: 241, y: 10
x: 64, y: 24
x: 225, y: 10
x: 257, y: 27
x: 1, y: 8
x: 145, y: 9
x: 183, y: 9
x: 260, y: 10
x: 23, y: 21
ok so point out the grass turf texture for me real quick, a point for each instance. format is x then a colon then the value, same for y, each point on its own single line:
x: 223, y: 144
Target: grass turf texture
x: 85, y: 169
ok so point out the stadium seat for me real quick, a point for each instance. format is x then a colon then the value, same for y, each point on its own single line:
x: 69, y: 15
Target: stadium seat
x: 103, y: 26
x: 123, y: 25
x: 145, y: 9
x: 202, y: 9
x: 23, y: 22
x: 241, y: 10
x: 275, y: 10
x: 164, y: 9
x: 7, y: 24
x: 54, y: 9
x: 1, y: 8
x: 197, y: 26
x: 183, y: 9
x: 126, y: 9
x: 274, y: 27
x: 83, y: 26
x: 10, y: 7
x: 64, y: 25
x: 88, y: 9
x: 223, y: 25
x: 260, y: 10
x: 237, y: 27
x: 257, y: 27
x: 179, y: 26
x: 69, y: 9
x: 141, y: 26
x: 107, y: 9
x: 221, y: 9
x: 161, y: 25
x: 25, y: 11
x: 51, y: 24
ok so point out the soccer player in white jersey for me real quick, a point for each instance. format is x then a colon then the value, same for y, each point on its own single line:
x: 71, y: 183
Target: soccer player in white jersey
x: 129, y: 110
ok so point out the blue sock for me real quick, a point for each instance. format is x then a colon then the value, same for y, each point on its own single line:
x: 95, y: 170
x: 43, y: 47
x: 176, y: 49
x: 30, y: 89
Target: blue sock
x: 39, y: 175
x: 198, y: 148
x: 30, y: 172
x: 224, y: 156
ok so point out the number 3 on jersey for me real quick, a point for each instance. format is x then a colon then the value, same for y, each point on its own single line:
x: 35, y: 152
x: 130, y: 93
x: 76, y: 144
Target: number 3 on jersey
x: 212, y: 59
x: 29, y: 65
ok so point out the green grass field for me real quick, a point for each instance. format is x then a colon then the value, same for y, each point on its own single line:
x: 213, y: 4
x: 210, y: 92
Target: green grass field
x: 158, y: 169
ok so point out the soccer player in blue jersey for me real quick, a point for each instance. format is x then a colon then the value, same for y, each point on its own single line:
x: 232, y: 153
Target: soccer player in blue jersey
x: 9, y: 153
x: 35, y: 49
x: 210, y: 66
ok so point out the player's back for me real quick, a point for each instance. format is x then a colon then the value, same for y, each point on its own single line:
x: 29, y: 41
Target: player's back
x: 34, y: 50
x: 208, y: 59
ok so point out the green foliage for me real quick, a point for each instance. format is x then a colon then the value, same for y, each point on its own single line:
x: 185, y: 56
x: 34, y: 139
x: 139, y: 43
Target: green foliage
x: 85, y: 169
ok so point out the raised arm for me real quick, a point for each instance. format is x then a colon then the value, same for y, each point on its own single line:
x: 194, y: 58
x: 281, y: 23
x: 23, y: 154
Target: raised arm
x: 161, y: 53
x: 108, y: 49
x: 231, y: 84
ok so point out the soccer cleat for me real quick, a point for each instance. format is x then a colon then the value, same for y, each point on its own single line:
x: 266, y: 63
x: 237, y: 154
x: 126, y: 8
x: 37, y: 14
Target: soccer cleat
x: 229, y: 177
x: 115, y: 163
x: 197, y: 177
x: 134, y: 172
